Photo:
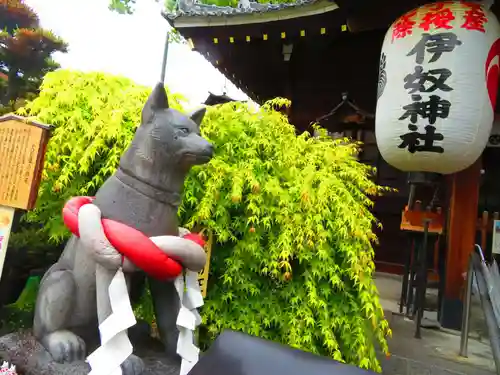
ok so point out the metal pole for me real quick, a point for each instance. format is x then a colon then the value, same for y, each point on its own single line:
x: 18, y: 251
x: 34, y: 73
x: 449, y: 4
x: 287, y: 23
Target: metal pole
x: 422, y: 281
x: 489, y: 315
x: 480, y: 252
x: 464, y: 336
x: 411, y: 196
x: 406, y: 276
x: 165, y: 58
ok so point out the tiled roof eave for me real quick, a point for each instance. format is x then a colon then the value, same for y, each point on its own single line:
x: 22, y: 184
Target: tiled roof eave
x: 212, y: 15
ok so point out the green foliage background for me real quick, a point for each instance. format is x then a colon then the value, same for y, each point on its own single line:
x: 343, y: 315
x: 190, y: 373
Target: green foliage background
x: 292, y: 256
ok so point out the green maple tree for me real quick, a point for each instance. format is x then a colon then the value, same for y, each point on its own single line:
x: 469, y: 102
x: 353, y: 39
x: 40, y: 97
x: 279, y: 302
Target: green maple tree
x: 25, y: 52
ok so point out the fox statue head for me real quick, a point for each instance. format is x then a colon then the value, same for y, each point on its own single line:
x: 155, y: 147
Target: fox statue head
x: 166, y: 145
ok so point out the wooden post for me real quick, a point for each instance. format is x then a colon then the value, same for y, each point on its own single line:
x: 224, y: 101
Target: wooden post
x: 462, y: 219
x: 203, y: 275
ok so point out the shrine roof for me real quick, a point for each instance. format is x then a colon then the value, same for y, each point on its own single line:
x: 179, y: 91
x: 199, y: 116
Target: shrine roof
x: 215, y: 10
x: 245, y: 12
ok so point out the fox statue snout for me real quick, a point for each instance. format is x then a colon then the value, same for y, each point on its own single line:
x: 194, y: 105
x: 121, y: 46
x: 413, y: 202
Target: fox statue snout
x: 197, y: 150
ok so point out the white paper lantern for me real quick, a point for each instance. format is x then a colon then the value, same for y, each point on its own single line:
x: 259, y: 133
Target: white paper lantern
x: 437, y: 87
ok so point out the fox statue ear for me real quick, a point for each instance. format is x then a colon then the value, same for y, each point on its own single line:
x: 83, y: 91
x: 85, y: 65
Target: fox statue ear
x: 157, y: 100
x: 198, y: 115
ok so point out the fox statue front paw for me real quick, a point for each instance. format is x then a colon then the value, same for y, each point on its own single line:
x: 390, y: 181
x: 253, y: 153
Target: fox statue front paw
x: 64, y: 346
x: 133, y: 365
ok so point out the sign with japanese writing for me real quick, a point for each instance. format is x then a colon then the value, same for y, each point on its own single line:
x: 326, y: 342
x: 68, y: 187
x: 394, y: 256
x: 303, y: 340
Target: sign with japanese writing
x: 22, y: 149
x: 437, y: 89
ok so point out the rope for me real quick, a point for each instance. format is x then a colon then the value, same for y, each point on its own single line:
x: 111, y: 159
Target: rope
x: 126, y: 240
x: 116, y: 248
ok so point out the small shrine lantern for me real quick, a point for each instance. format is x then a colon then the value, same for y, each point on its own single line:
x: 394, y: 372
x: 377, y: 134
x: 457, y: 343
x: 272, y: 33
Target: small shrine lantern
x: 437, y: 87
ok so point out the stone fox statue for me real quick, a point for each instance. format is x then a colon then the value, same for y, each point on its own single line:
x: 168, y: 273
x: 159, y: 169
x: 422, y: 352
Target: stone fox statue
x: 144, y: 193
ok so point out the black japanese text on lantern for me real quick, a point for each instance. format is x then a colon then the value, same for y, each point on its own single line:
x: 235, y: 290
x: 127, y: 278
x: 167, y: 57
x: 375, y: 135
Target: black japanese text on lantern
x: 425, y: 87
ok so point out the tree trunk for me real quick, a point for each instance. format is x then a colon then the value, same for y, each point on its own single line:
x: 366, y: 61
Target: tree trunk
x: 12, y: 87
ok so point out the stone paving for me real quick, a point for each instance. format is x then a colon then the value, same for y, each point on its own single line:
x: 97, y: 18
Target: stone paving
x: 437, y: 352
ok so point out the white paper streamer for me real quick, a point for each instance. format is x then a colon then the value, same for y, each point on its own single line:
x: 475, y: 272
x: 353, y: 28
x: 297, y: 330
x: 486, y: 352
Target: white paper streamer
x: 115, y: 345
x: 188, y: 319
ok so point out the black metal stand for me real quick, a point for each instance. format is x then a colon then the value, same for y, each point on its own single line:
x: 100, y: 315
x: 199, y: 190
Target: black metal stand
x: 403, y: 301
x: 411, y: 274
x: 407, y: 288
x: 415, y: 283
x: 421, y: 281
x: 442, y: 276
x: 414, y: 286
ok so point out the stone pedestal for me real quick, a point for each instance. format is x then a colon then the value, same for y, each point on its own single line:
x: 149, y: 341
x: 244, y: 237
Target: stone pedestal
x: 30, y: 358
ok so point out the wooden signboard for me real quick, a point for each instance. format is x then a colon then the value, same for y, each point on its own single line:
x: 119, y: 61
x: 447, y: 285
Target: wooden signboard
x: 203, y: 274
x: 22, y: 151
